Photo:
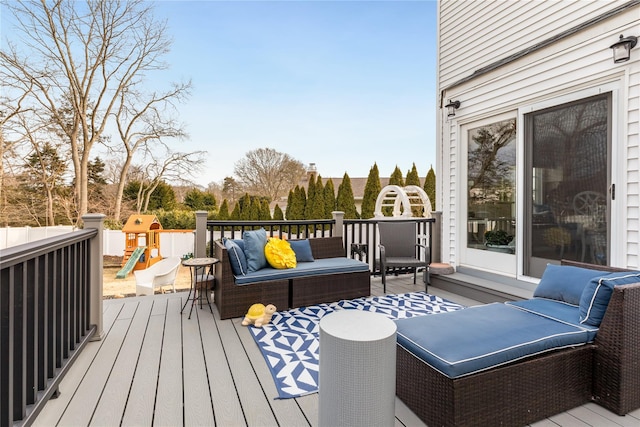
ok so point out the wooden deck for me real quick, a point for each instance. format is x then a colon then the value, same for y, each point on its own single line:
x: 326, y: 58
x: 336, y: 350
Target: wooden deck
x: 156, y: 367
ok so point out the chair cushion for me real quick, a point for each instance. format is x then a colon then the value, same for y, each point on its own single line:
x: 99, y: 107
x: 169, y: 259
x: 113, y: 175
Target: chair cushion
x: 279, y: 253
x: 559, y: 311
x: 305, y: 269
x: 478, y: 338
x: 236, y: 257
x: 302, y: 248
x: 565, y: 282
x: 254, y: 243
x: 595, y: 297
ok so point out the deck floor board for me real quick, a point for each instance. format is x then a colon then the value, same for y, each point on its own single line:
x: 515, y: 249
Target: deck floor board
x: 156, y: 367
x: 142, y: 393
x: 168, y: 409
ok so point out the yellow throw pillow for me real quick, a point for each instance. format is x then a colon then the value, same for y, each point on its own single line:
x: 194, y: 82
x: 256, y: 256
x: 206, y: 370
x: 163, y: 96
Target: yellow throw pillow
x: 279, y: 253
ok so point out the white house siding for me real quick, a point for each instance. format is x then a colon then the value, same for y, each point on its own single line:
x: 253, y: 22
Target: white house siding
x: 487, y: 32
x: 475, y: 33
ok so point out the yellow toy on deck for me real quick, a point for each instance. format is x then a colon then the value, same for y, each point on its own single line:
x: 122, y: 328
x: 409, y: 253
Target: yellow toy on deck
x: 259, y: 315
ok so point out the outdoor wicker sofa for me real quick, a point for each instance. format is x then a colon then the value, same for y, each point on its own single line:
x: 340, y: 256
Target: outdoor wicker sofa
x: 312, y: 283
x: 605, y: 371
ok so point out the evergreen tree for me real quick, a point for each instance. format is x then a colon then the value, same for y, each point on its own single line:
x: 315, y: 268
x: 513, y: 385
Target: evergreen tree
x: 277, y: 213
x: 254, y: 209
x: 300, y: 202
x: 412, y: 177
x: 235, y: 213
x: 244, y: 205
x: 317, y: 204
x: 396, y: 177
x: 199, y: 200
x: 345, y: 200
x: 329, y: 199
x: 290, y: 206
x: 311, y: 197
x: 371, y: 191
x: 265, y: 212
x: 223, y: 213
x: 430, y: 187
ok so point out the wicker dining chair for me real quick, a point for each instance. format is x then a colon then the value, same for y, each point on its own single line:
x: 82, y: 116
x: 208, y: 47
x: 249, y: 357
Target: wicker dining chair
x: 399, y: 249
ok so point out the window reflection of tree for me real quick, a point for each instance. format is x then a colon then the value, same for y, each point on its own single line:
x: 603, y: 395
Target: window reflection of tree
x: 490, y: 171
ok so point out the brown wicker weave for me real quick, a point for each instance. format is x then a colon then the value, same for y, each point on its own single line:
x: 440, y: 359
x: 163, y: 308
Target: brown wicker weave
x: 607, y: 372
x: 233, y: 300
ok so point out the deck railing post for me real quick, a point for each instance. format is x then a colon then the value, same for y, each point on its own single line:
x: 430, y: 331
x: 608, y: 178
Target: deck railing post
x: 338, y: 216
x: 95, y: 221
x: 436, y: 230
x: 200, y: 250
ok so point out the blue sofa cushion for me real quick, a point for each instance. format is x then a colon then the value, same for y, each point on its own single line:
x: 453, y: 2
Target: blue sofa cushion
x: 556, y: 310
x: 478, y: 338
x: 595, y: 297
x: 254, y: 243
x: 302, y: 249
x: 236, y: 257
x: 318, y: 267
x: 565, y: 282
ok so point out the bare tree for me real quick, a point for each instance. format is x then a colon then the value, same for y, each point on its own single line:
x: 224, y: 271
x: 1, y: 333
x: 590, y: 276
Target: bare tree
x: 267, y: 172
x: 142, y: 122
x: 10, y: 109
x: 174, y: 167
x: 89, y: 54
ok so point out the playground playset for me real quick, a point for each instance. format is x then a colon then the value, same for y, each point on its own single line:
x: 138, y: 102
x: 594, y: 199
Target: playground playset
x: 142, y: 248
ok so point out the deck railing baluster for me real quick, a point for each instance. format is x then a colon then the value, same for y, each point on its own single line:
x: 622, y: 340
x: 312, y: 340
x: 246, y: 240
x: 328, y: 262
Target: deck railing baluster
x: 362, y: 232
x: 45, y: 315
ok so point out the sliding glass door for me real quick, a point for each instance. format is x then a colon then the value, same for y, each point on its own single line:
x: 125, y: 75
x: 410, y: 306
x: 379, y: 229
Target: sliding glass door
x: 567, y: 175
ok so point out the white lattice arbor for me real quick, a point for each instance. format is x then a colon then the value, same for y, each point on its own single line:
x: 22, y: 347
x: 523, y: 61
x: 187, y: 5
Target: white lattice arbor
x: 402, y: 200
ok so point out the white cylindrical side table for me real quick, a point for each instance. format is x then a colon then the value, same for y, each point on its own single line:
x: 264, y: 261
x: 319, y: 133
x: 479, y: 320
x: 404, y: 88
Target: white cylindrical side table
x: 357, y: 378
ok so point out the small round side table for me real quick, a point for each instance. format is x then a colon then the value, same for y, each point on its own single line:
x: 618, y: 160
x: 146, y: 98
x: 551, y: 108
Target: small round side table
x: 195, y: 264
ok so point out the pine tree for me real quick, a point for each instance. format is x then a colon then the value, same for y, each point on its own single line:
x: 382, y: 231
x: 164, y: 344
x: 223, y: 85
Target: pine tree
x: 254, y: 209
x: 311, y: 197
x: 235, y: 213
x: 371, y: 191
x: 345, y: 201
x: 300, y: 202
x: 317, y: 205
x: 277, y: 213
x: 265, y: 212
x: 412, y: 177
x: 223, y: 213
x: 288, y: 211
x: 430, y: 187
x: 329, y: 199
x: 396, y: 177
x: 244, y: 206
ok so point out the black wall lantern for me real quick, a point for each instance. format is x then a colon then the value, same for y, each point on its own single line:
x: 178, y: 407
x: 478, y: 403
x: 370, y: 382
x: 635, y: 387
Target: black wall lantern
x: 622, y: 48
x: 451, y: 107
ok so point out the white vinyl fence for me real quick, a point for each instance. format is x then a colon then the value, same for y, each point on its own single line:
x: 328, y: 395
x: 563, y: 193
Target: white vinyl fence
x: 172, y: 243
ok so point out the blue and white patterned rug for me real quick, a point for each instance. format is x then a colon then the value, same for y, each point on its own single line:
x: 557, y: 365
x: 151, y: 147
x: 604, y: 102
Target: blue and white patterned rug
x: 290, y: 342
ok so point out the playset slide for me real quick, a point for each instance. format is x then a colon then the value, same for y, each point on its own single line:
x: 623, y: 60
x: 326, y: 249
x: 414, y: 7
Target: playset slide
x: 131, y: 262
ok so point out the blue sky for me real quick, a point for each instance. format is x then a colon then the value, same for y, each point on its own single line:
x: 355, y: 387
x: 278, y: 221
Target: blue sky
x: 341, y: 84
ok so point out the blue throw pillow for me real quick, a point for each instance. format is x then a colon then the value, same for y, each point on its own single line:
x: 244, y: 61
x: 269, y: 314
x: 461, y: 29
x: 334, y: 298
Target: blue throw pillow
x: 254, y: 243
x: 239, y: 242
x: 236, y: 257
x: 596, y: 296
x: 565, y: 282
x: 302, y: 249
